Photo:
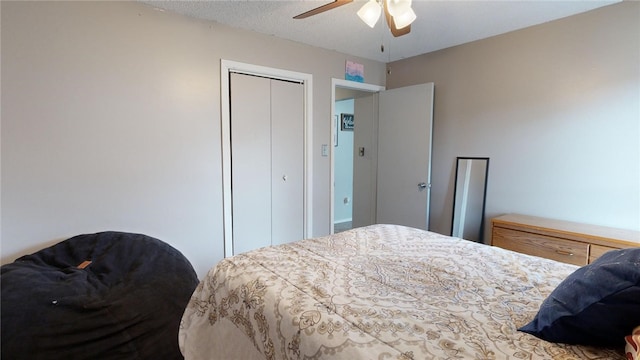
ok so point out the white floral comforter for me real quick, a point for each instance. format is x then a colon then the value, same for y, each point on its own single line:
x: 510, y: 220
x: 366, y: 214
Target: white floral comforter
x: 378, y: 292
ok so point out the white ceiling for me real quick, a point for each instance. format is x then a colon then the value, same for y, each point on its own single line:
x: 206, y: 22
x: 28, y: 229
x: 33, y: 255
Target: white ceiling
x: 440, y: 23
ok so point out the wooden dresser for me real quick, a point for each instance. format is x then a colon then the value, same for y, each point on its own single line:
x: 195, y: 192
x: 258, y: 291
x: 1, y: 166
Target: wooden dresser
x: 565, y: 241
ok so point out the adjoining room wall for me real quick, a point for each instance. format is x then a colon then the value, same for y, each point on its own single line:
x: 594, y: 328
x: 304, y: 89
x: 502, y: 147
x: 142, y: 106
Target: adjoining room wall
x: 343, y: 192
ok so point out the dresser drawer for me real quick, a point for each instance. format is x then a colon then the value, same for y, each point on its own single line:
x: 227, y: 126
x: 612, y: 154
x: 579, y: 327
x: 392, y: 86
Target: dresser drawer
x: 568, y: 251
x: 598, y: 250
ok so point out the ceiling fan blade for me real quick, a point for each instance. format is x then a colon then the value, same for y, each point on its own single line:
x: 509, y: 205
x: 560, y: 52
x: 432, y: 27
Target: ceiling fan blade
x: 323, y: 8
x: 392, y: 25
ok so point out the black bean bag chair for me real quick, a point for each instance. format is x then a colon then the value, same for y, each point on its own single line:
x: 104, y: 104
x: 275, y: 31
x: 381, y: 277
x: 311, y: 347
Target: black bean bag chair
x: 109, y: 295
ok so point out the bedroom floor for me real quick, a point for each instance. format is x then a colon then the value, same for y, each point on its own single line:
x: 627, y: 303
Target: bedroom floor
x: 342, y: 226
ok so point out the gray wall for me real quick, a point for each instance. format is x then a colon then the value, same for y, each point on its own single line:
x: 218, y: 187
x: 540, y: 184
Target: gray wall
x: 111, y: 121
x: 557, y: 109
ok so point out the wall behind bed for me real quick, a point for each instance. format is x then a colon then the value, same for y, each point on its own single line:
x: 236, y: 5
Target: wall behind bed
x: 111, y: 121
x: 557, y: 109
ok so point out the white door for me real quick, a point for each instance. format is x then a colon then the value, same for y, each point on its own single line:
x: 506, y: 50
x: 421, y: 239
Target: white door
x: 404, y: 156
x: 267, y: 150
x: 287, y: 161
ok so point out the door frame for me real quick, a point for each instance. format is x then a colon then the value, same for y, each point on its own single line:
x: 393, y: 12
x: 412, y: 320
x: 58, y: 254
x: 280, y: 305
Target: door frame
x: 347, y: 84
x: 227, y: 67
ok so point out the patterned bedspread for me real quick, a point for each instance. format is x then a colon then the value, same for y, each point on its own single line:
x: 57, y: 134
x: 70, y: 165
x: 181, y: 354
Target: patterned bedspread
x: 378, y: 292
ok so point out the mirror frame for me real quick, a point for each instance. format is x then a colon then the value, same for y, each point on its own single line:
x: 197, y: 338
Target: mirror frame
x: 484, y: 194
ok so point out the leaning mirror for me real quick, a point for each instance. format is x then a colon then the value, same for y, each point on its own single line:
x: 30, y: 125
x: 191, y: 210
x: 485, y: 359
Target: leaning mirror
x: 469, y: 198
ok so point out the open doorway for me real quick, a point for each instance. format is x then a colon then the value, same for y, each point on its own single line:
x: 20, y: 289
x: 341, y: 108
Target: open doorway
x: 388, y: 186
x: 343, y: 161
x: 344, y: 151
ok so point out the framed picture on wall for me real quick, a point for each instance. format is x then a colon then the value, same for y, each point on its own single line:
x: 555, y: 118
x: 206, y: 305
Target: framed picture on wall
x: 346, y: 122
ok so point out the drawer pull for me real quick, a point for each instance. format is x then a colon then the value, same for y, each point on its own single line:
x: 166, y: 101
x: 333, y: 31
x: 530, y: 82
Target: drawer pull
x: 563, y: 252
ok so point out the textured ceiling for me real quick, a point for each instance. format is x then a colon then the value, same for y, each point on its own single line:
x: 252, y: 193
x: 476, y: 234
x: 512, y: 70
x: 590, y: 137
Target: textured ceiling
x: 440, y: 24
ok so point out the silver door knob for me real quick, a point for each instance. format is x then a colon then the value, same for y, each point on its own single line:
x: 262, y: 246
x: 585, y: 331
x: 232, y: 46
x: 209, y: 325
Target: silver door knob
x: 422, y: 186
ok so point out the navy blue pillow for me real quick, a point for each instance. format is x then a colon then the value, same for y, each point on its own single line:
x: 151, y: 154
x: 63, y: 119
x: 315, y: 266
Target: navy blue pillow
x: 598, y: 305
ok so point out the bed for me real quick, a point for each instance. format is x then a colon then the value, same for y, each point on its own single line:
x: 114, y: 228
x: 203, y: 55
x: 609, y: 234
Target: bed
x: 382, y: 292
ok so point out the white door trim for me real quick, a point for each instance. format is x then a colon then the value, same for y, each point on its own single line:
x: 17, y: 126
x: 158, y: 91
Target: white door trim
x: 226, y: 67
x: 348, y: 85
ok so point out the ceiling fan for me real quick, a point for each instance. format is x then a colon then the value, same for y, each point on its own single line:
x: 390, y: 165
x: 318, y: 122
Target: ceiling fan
x: 398, y: 13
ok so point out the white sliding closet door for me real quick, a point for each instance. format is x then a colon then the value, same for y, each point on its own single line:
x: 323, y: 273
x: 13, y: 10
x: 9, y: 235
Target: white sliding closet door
x: 267, y: 148
x: 250, y: 162
x: 287, y: 159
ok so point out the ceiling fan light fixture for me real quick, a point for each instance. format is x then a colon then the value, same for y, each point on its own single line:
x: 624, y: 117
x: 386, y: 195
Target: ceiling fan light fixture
x: 398, y: 7
x: 405, y: 19
x: 370, y: 13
